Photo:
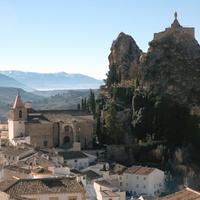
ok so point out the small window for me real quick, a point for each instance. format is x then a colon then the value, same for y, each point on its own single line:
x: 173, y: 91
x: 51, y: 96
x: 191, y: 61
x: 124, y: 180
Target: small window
x: 45, y: 143
x: 144, y: 186
x: 53, y: 198
x: 120, y: 183
x: 5, y: 156
x: 75, y: 161
x: 9, y: 157
x: 137, y: 186
x: 126, y: 176
x: 20, y: 114
x: 13, y: 158
x: 72, y: 198
x: 137, y: 177
x: 144, y: 178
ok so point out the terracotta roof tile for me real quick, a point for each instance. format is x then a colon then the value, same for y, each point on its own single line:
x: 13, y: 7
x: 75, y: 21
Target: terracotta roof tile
x: 42, y: 186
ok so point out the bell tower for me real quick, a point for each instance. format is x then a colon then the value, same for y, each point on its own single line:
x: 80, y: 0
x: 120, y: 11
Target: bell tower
x: 17, y: 119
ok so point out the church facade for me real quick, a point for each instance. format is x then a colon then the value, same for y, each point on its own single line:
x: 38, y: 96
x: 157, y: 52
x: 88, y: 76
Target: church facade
x: 49, y: 128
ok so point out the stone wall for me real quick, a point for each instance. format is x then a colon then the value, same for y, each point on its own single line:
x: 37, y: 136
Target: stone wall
x: 84, y: 133
x: 41, y: 134
x: 178, y: 30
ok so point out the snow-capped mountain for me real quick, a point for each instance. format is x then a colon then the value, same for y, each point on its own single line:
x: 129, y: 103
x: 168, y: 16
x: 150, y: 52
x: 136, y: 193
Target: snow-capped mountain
x: 53, y: 81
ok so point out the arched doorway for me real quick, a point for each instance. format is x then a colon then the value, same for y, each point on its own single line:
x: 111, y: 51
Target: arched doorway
x: 67, y: 134
x: 66, y: 139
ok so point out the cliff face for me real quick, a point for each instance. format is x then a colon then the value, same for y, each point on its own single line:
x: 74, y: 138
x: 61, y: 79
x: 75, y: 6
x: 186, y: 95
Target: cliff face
x: 125, y: 56
x: 171, y: 66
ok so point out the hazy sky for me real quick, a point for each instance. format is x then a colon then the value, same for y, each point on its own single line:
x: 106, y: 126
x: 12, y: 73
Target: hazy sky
x: 75, y: 36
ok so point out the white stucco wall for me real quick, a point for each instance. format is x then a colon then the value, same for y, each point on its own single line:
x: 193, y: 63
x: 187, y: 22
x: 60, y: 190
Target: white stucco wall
x: 77, y: 163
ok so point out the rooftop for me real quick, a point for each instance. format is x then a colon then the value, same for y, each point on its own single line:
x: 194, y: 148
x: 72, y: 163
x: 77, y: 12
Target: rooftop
x: 107, y: 193
x: 186, y: 194
x: 72, y: 155
x: 139, y: 170
x: 42, y: 186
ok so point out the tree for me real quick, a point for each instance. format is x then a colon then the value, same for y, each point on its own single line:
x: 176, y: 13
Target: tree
x: 92, y: 103
x: 78, y: 106
x: 113, y: 127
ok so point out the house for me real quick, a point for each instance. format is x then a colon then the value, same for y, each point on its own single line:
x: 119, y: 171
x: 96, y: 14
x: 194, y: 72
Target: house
x: 140, y: 180
x: 10, y: 171
x: 105, y: 191
x: 42, y: 189
x: 13, y: 154
x: 75, y: 159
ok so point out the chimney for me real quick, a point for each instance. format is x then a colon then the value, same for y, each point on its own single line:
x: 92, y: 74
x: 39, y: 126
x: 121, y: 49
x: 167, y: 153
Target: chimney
x: 28, y: 104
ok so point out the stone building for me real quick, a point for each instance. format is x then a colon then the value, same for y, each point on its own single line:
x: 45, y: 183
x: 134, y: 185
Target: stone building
x: 176, y: 29
x: 49, y: 128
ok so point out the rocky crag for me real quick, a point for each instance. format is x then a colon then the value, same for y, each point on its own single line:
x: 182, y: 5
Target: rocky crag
x: 171, y: 65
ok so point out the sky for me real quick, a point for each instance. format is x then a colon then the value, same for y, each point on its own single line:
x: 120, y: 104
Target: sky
x: 75, y: 36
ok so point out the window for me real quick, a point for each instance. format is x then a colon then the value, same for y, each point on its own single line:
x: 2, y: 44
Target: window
x: 53, y: 198
x: 137, y: 186
x: 144, y: 178
x: 72, y: 198
x: 45, y: 143
x: 144, y: 186
x: 75, y: 161
x: 137, y: 177
x: 120, y: 183
x: 20, y: 114
x: 126, y: 176
x: 126, y: 184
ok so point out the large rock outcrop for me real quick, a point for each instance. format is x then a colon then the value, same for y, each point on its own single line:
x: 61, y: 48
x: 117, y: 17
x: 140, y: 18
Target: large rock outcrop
x: 172, y: 66
x: 124, y: 56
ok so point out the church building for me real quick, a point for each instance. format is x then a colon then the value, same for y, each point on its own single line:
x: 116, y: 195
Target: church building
x: 49, y: 128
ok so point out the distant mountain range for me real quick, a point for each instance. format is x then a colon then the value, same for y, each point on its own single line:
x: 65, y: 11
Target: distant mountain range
x: 31, y: 81
x: 6, y: 81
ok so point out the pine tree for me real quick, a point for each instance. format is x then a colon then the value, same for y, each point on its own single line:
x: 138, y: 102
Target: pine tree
x: 92, y: 103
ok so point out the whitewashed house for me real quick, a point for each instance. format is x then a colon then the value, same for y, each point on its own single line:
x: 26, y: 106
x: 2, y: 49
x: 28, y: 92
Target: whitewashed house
x: 75, y: 159
x: 105, y: 191
x: 142, y: 180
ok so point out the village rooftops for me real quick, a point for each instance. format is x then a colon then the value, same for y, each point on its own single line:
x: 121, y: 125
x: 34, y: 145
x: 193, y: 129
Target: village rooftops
x: 139, y: 170
x: 16, y: 151
x: 91, y: 175
x: 17, y: 169
x: 186, y: 194
x: 107, y: 193
x: 103, y: 183
x: 41, y: 186
x: 67, y: 155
